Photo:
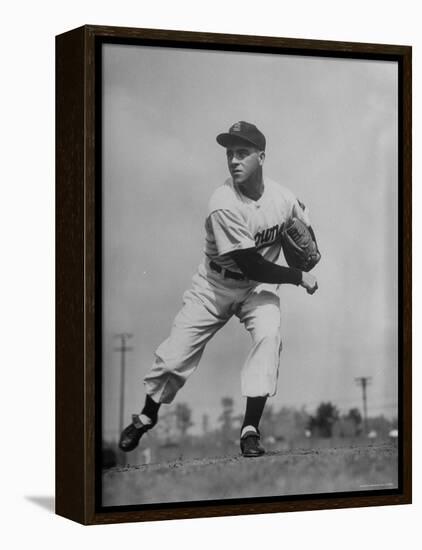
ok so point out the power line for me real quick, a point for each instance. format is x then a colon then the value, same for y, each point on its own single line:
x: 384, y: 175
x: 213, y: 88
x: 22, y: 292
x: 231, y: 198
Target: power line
x: 364, y: 381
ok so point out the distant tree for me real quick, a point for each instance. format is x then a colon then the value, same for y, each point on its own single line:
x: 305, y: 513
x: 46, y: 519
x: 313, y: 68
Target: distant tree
x: 356, y: 418
x: 109, y: 457
x: 183, y: 418
x: 325, y: 416
x: 205, y: 423
x: 227, y: 403
x: 226, y: 417
x: 167, y: 427
x: 301, y: 420
x: 268, y: 421
x: 381, y: 424
x: 288, y: 423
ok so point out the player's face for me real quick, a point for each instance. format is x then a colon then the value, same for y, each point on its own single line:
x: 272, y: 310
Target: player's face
x: 244, y: 162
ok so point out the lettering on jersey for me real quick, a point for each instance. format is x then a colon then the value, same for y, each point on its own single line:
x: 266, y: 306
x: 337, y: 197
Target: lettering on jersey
x: 268, y: 236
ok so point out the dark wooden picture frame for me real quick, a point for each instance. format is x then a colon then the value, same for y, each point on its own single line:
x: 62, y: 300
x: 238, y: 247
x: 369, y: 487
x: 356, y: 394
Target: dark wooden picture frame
x: 78, y: 272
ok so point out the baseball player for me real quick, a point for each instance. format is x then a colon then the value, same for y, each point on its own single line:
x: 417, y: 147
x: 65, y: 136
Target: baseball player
x: 247, y: 218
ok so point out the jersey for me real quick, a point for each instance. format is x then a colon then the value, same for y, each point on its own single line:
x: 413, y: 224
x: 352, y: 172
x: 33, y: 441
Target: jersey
x: 236, y: 222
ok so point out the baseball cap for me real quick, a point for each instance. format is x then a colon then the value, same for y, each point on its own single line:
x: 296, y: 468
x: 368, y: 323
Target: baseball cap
x: 245, y: 131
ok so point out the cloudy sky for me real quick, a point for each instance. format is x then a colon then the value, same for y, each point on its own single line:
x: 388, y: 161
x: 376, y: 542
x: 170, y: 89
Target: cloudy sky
x: 331, y: 128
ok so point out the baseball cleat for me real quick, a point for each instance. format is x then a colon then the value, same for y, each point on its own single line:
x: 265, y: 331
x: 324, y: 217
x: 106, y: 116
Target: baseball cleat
x: 250, y: 445
x: 131, y: 435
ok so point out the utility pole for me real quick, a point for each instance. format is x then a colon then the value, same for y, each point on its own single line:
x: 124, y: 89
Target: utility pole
x: 364, y: 381
x: 124, y: 336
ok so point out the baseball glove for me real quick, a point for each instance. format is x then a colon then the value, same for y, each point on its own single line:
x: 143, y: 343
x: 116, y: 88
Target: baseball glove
x: 299, y: 245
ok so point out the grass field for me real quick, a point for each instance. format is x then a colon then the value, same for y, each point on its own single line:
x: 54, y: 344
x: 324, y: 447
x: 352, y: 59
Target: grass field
x: 310, y: 471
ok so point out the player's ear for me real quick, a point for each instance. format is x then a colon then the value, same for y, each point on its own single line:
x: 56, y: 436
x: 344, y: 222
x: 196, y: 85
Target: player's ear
x: 261, y: 157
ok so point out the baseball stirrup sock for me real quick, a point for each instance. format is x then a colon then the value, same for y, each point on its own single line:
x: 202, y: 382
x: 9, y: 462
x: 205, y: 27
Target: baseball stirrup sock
x: 248, y: 430
x: 151, y: 409
x: 254, y: 409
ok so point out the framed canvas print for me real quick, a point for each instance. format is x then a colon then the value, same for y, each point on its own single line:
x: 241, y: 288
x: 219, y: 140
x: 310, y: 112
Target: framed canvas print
x: 233, y: 274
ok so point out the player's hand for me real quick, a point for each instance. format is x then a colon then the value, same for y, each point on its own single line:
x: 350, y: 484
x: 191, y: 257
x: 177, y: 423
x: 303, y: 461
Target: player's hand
x: 309, y: 282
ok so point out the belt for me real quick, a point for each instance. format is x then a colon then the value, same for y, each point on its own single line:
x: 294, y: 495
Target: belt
x: 226, y: 272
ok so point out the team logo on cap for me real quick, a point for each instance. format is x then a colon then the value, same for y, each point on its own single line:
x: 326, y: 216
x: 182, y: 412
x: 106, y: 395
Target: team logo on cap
x: 236, y: 127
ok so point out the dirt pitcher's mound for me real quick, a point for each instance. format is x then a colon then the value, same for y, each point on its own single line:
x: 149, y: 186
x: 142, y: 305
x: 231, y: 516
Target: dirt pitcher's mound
x: 274, y: 474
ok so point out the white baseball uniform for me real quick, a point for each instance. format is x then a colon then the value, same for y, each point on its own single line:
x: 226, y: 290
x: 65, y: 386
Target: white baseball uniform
x: 234, y: 222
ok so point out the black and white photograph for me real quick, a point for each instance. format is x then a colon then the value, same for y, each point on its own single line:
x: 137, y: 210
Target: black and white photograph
x: 250, y: 287
x: 145, y: 141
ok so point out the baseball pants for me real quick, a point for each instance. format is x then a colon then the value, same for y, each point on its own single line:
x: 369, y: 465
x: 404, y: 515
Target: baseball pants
x: 207, y: 306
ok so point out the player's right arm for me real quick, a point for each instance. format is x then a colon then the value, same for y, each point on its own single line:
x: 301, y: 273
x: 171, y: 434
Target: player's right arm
x: 256, y: 268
